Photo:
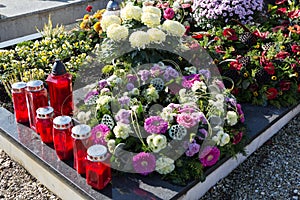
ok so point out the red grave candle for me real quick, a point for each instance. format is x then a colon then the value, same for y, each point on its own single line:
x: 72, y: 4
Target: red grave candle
x: 98, y: 172
x: 60, y: 89
x: 62, y: 138
x: 44, y: 123
x: 36, y: 97
x: 80, y: 134
x: 19, y: 102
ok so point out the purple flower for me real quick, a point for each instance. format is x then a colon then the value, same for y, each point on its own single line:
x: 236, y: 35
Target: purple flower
x: 102, y: 84
x: 193, y: 149
x: 144, y: 75
x: 203, y: 132
x: 155, y: 124
x: 131, y: 78
x: 169, y: 13
x: 240, y: 112
x: 129, y: 86
x: 232, y: 101
x: 123, y: 116
x: 125, y: 100
x: 170, y: 73
x: 205, y: 73
x: 99, y: 133
x: 188, y: 81
x: 156, y: 70
x: 186, y: 120
x: 144, y: 163
x: 209, y: 156
x: 90, y: 95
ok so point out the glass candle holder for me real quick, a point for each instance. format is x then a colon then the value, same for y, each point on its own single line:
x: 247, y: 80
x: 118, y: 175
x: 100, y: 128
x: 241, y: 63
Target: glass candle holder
x: 62, y: 138
x: 98, y: 172
x: 19, y: 102
x: 44, y: 123
x: 36, y: 97
x: 80, y: 135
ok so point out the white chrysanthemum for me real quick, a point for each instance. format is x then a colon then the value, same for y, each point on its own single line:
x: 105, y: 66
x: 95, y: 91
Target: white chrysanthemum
x: 130, y: 12
x: 109, y: 20
x: 122, y: 130
x: 199, y: 85
x: 152, y: 9
x: 117, y: 32
x: 225, y: 139
x: 174, y: 28
x: 221, y: 138
x: 232, y: 118
x: 156, y: 142
x: 156, y: 36
x: 164, y: 165
x: 151, y: 20
x: 102, y: 100
x: 152, y: 94
x: 139, y: 39
x: 111, y: 144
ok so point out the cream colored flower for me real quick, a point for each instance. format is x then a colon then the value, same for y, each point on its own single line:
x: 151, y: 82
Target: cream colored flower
x: 152, y: 9
x: 156, y: 35
x: 151, y: 20
x: 174, y: 28
x: 109, y: 20
x: 117, y: 32
x: 139, y: 39
x: 164, y: 165
x: 130, y: 12
x: 232, y: 118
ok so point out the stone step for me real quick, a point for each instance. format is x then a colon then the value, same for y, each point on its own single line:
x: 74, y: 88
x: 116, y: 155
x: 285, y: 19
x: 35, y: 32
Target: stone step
x: 23, y: 17
x: 25, y: 146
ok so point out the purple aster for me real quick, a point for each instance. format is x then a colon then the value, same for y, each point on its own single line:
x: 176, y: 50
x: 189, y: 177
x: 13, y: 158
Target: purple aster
x: 131, y: 78
x: 155, y: 124
x: 90, y: 95
x: 193, y: 149
x: 170, y: 73
x: 205, y: 73
x: 125, y: 100
x: 123, y: 116
x: 144, y: 163
x: 99, y: 133
x: 129, y: 86
x: 188, y: 81
x: 102, y: 84
x: 144, y: 75
x: 156, y: 70
x: 209, y: 156
x: 203, y: 132
x: 240, y: 112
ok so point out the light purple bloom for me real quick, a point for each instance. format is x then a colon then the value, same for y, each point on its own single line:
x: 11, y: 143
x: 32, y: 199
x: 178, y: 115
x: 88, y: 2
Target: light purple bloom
x: 99, y: 133
x: 129, y: 86
x: 131, y: 78
x: 144, y: 75
x: 102, y: 84
x: 155, y: 124
x: 90, y: 95
x: 123, y: 116
x: 170, y: 73
x: 203, y: 132
x: 156, y: 70
x: 188, y: 81
x: 193, y: 149
x: 144, y: 163
x: 205, y: 73
x: 125, y: 100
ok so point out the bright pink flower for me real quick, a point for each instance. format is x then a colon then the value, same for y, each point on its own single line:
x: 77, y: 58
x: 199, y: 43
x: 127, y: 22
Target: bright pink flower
x: 281, y: 11
x: 270, y: 68
x: 230, y: 34
x: 261, y: 35
x: 295, y: 48
x: 294, y: 14
x: 99, y: 133
x: 89, y: 8
x: 278, y: 2
x: 186, y: 120
x: 185, y: 5
x: 236, y: 65
x: 155, y: 124
x: 144, y: 163
x: 169, y: 13
x: 282, y: 55
x: 188, y: 81
x: 209, y: 156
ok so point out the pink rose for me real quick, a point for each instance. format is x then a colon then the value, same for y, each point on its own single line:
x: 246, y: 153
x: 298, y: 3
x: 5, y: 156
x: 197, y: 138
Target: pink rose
x: 169, y: 13
x: 186, y: 120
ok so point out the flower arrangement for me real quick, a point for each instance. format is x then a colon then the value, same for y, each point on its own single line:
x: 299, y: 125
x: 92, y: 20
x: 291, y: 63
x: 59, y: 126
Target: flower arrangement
x: 263, y: 62
x: 208, y: 13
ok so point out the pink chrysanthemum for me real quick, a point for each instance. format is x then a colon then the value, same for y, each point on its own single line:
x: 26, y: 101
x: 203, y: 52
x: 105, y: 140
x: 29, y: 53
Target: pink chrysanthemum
x: 144, y: 163
x: 155, y: 124
x: 209, y: 156
x: 99, y: 133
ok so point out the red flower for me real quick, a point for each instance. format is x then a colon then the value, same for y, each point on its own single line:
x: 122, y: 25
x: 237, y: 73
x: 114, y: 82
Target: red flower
x: 272, y: 93
x: 230, y: 34
x: 235, y: 91
x: 260, y: 35
x: 237, y: 138
x: 278, y: 2
x: 236, y: 65
x: 281, y: 11
x: 282, y: 55
x: 270, y: 68
x: 294, y: 14
x: 285, y: 85
x: 198, y: 36
x: 89, y: 8
x: 263, y: 59
x: 219, y: 49
x: 295, y: 48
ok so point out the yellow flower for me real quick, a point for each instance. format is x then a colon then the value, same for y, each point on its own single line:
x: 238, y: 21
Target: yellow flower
x: 151, y: 20
x: 86, y: 16
x: 84, y: 25
x: 246, y: 75
x: 274, y: 78
x: 98, y: 14
x: 139, y: 39
x: 174, y: 28
x: 130, y: 12
x: 109, y: 20
x: 255, y: 94
x: 296, y: 74
x: 156, y: 35
x: 117, y: 32
x: 97, y: 27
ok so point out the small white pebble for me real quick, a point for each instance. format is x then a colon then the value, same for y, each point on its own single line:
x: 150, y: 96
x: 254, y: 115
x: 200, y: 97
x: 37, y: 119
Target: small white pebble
x: 295, y: 191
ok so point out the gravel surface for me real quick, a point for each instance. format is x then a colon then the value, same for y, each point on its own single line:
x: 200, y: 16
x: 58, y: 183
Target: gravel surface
x: 272, y: 172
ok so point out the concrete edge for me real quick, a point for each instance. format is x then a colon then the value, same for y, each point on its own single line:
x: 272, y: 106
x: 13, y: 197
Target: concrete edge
x: 227, y: 167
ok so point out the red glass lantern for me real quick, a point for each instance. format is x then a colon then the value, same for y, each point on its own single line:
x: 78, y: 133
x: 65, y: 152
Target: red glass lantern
x: 80, y: 134
x: 62, y: 138
x: 19, y: 102
x: 60, y: 89
x: 36, y: 97
x: 98, y: 172
x: 44, y: 123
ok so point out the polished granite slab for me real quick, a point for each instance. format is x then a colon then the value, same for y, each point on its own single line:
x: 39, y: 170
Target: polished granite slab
x: 126, y: 186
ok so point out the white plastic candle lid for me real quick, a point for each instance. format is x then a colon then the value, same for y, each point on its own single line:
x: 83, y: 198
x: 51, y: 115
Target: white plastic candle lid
x: 97, y: 153
x: 81, y: 131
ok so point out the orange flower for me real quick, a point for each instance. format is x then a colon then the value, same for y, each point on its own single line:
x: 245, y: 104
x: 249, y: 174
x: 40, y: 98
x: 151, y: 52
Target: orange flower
x: 98, y: 14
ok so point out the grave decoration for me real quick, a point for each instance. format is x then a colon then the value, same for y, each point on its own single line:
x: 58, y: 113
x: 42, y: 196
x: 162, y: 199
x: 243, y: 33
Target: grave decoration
x: 159, y: 106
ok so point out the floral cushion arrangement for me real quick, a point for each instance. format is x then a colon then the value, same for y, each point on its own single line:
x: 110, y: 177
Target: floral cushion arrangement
x: 154, y: 109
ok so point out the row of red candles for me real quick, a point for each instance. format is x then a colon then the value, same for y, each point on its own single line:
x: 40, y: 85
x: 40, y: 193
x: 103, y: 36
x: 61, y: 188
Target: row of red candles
x: 54, y: 124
